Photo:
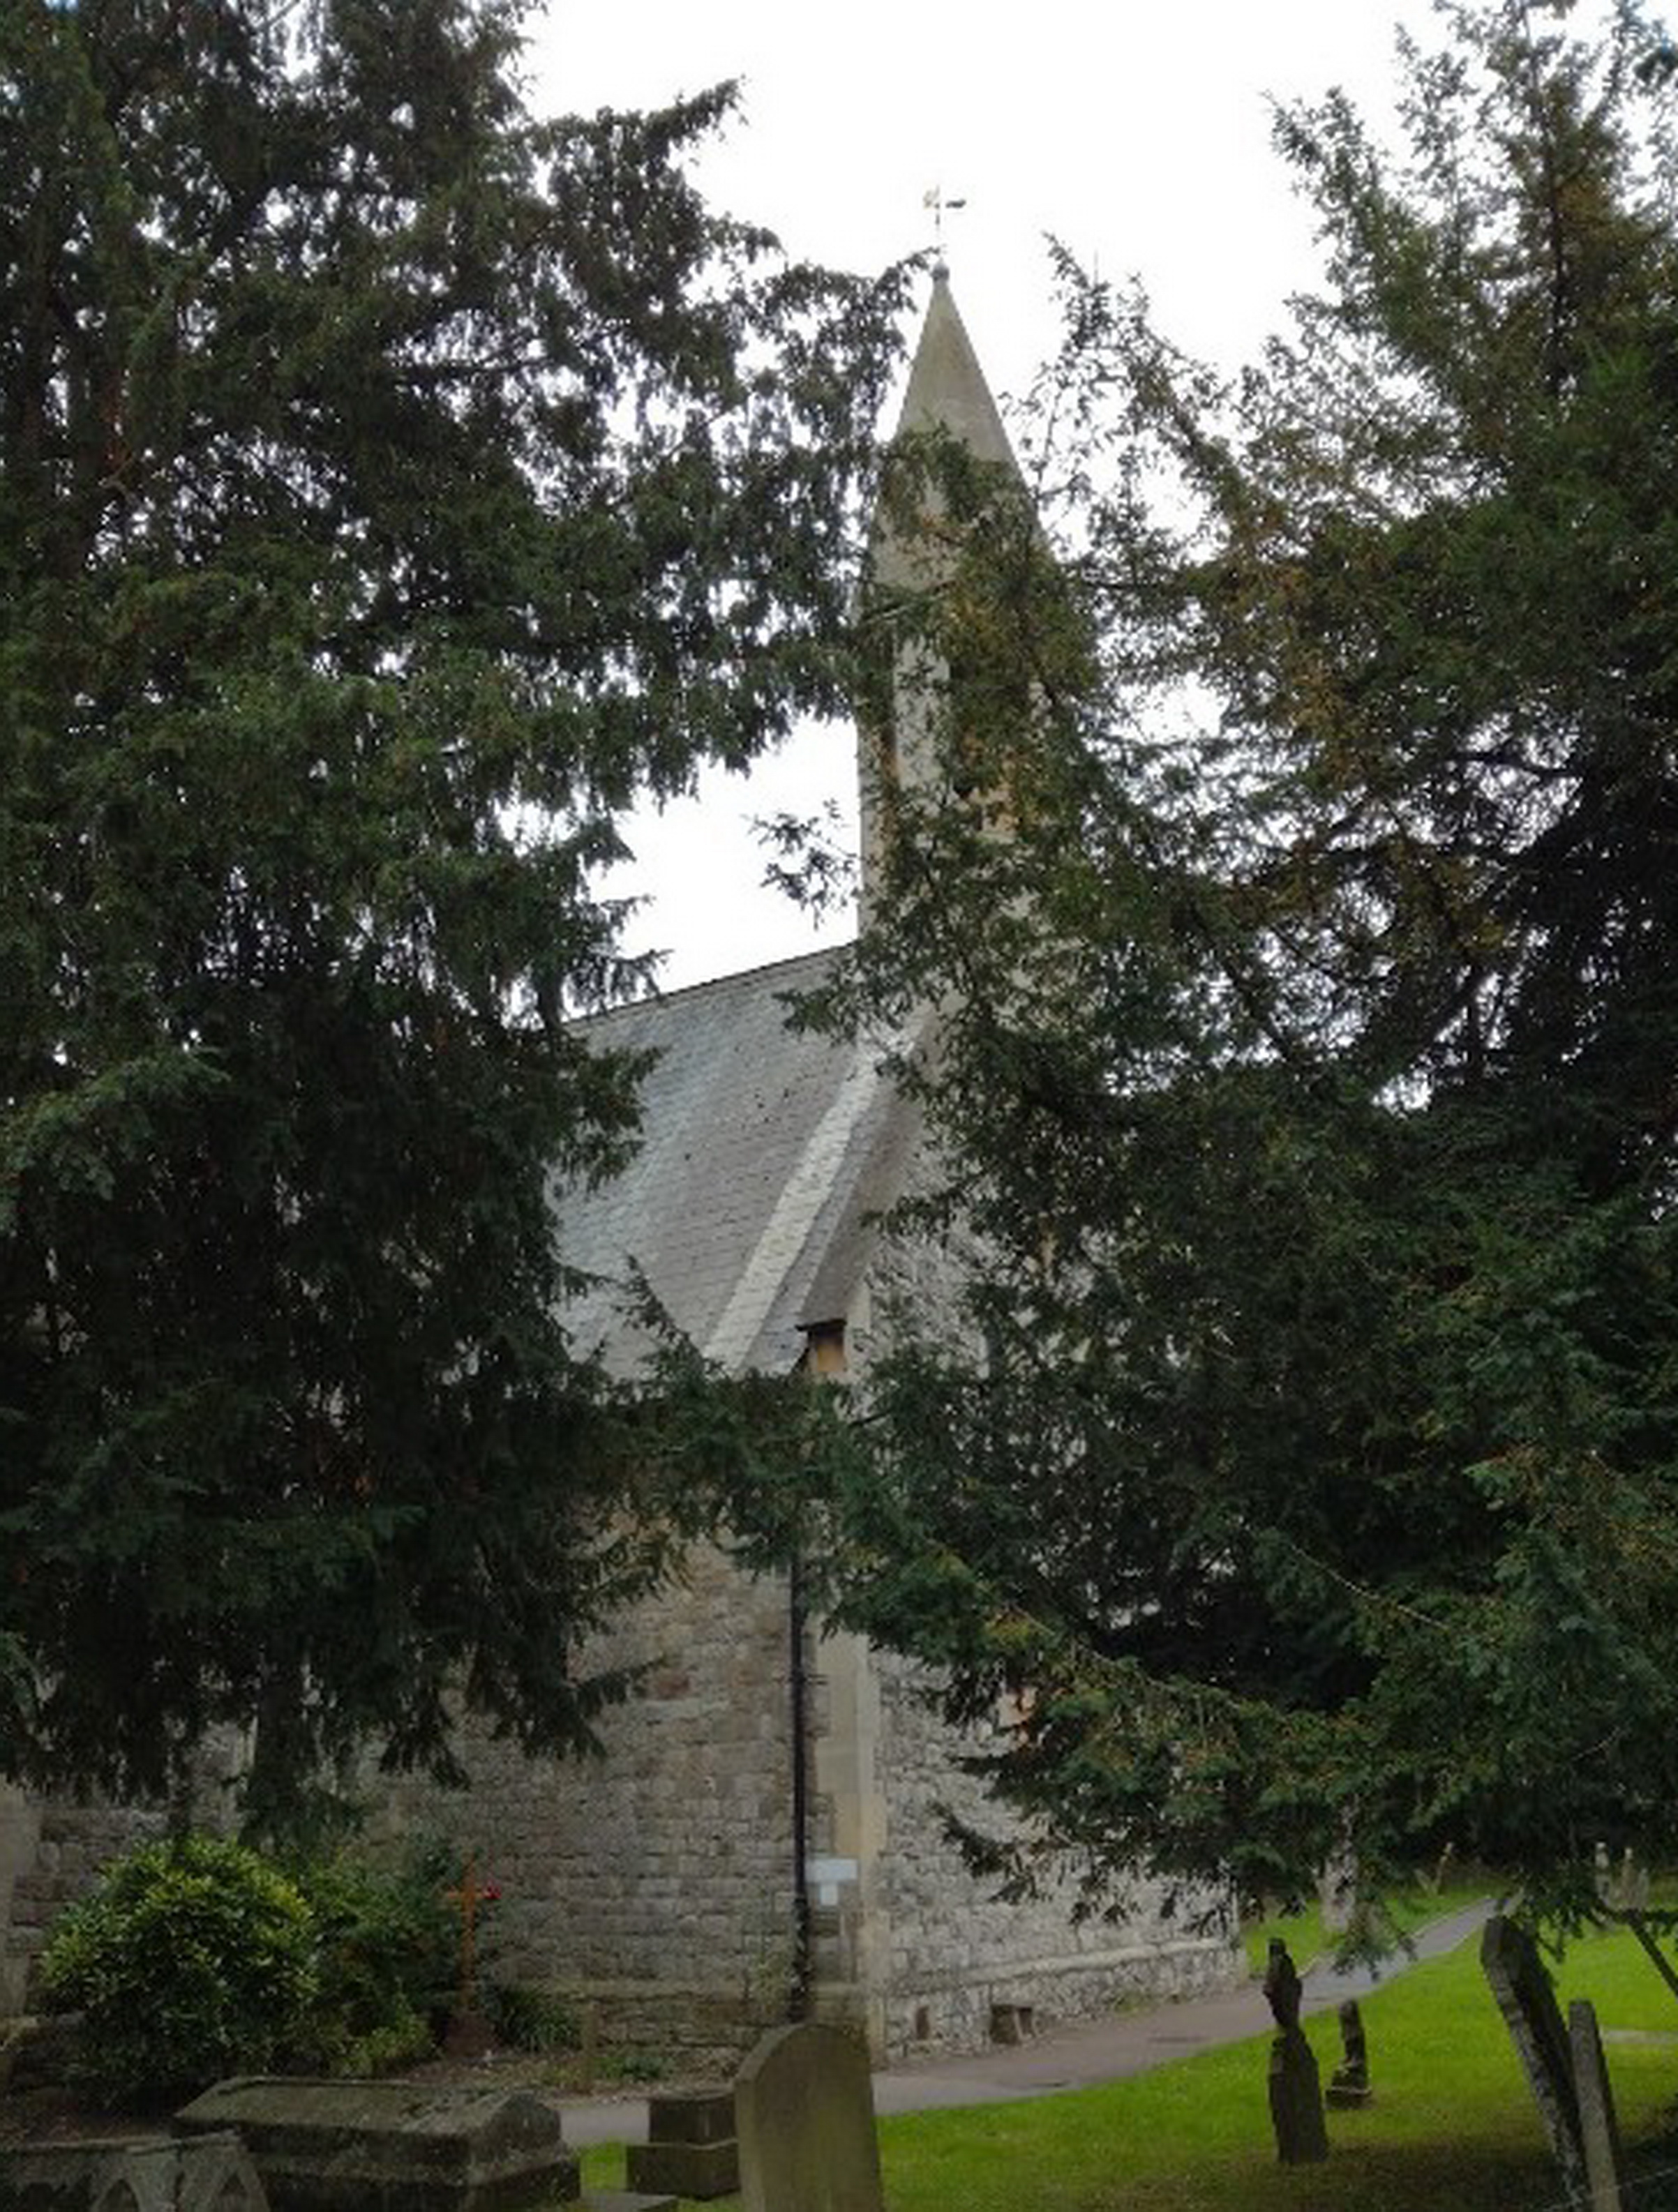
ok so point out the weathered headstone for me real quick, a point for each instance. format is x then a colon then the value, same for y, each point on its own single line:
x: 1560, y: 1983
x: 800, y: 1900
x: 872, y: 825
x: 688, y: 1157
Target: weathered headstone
x: 1625, y: 1888
x: 142, y: 2173
x: 804, y: 2108
x: 1295, y: 2089
x: 1296, y: 2100
x: 1527, y: 2001
x: 392, y: 2146
x: 1337, y: 1893
x: 1598, y: 2128
x: 691, y: 2148
x: 1348, y: 2085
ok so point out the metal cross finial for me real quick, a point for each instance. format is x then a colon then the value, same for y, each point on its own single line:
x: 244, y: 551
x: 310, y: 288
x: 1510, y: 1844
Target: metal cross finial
x: 935, y: 200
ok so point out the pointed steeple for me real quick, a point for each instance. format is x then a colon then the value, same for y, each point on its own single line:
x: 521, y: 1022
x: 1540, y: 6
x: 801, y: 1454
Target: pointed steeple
x: 946, y: 386
x: 947, y: 392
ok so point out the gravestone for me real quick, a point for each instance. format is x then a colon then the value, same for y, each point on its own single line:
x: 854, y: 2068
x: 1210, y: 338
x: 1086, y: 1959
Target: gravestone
x: 1348, y: 2085
x: 1626, y: 1889
x: 1296, y: 2100
x: 1295, y: 2089
x: 1598, y: 2128
x: 1527, y: 2001
x: 1337, y: 1893
x: 392, y: 2146
x: 145, y: 2174
x: 804, y: 2108
x: 692, y: 2149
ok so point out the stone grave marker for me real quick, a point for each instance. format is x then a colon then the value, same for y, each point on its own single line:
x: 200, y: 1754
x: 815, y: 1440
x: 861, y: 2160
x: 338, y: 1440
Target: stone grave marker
x: 1348, y: 2085
x: 691, y: 2149
x: 1598, y: 2130
x: 392, y: 2146
x: 1295, y: 2089
x: 804, y: 2108
x: 1527, y: 2001
x: 148, y: 2174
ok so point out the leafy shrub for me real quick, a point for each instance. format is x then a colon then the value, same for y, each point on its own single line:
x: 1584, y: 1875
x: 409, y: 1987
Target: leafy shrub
x: 387, y: 1942
x: 192, y: 1960
x: 399, y: 2042
x: 632, y: 2064
x: 526, y: 2019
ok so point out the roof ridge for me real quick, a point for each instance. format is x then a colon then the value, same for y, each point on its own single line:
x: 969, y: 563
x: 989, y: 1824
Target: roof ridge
x: 737, y: 975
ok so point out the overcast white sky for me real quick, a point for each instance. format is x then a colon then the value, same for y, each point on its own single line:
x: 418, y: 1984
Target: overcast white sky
x: 1136, y: 132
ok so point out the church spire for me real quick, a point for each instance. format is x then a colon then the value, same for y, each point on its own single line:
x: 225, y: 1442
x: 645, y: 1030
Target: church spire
x: 947, y: 389
x: 947, y: 393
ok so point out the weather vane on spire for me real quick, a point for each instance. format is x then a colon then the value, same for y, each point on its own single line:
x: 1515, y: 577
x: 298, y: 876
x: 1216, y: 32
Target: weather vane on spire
x: 935, y: 200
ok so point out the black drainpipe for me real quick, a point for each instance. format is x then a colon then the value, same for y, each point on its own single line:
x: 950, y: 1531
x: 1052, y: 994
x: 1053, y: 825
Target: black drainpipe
x: 804, y: 1972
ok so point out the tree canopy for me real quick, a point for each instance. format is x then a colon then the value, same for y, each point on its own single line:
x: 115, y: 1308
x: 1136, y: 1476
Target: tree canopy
x: 392, y: 483
x: 1299, y: 908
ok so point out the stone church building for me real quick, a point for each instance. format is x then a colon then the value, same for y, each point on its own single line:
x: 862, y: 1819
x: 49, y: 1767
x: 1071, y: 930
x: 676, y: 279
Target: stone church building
x: 769, y: 1809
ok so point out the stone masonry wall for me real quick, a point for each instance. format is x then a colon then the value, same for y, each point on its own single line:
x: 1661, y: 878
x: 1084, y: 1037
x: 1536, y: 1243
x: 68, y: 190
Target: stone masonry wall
x: 947, y: 1949
x: 51, y: 1849
x: 49, y: 1852
x: 655, y: 1885
x: 957, y: 1950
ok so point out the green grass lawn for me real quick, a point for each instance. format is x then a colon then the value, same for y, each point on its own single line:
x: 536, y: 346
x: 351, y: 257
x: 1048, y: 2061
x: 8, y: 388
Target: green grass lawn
x: 1453, y: 2127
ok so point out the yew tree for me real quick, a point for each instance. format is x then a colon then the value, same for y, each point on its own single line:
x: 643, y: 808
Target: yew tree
x: 392, y: 483
x: 1299, y: 908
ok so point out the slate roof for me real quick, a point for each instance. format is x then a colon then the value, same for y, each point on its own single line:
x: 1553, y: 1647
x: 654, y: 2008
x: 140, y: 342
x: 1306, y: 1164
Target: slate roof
x: 763, y: 1152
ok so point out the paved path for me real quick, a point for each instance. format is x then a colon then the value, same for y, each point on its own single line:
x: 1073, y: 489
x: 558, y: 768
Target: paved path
x: 1079, y: 2052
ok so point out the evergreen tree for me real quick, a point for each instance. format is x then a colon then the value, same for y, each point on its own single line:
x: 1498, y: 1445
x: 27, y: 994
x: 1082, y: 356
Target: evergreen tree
x: 392, y: 485
x: 1304, y: 1478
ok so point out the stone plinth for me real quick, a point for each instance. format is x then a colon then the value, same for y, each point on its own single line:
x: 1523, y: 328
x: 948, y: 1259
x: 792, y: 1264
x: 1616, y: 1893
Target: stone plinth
x: 691, y: 2149
x: 138, y: 2173
x: 393, y: 2146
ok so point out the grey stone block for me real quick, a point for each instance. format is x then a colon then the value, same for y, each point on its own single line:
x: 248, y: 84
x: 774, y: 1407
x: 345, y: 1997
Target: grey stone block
x: 132, y: 2173
x: 690, y: 2169
x: 693, y: 2116
x: 393, y: 2146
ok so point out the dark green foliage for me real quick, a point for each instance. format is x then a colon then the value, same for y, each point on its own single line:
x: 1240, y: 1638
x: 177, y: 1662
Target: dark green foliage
x: 200, y: 1957
x: 387, y: 1959
x: 1305, y: 1476
x: 527, y: 2019
x: 391, y: 487
x: 192, y: 1959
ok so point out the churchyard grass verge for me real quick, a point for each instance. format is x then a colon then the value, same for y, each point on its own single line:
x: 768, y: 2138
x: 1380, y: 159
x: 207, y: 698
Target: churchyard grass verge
x: 1307, y: 1938
x: 1453, y: 2128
